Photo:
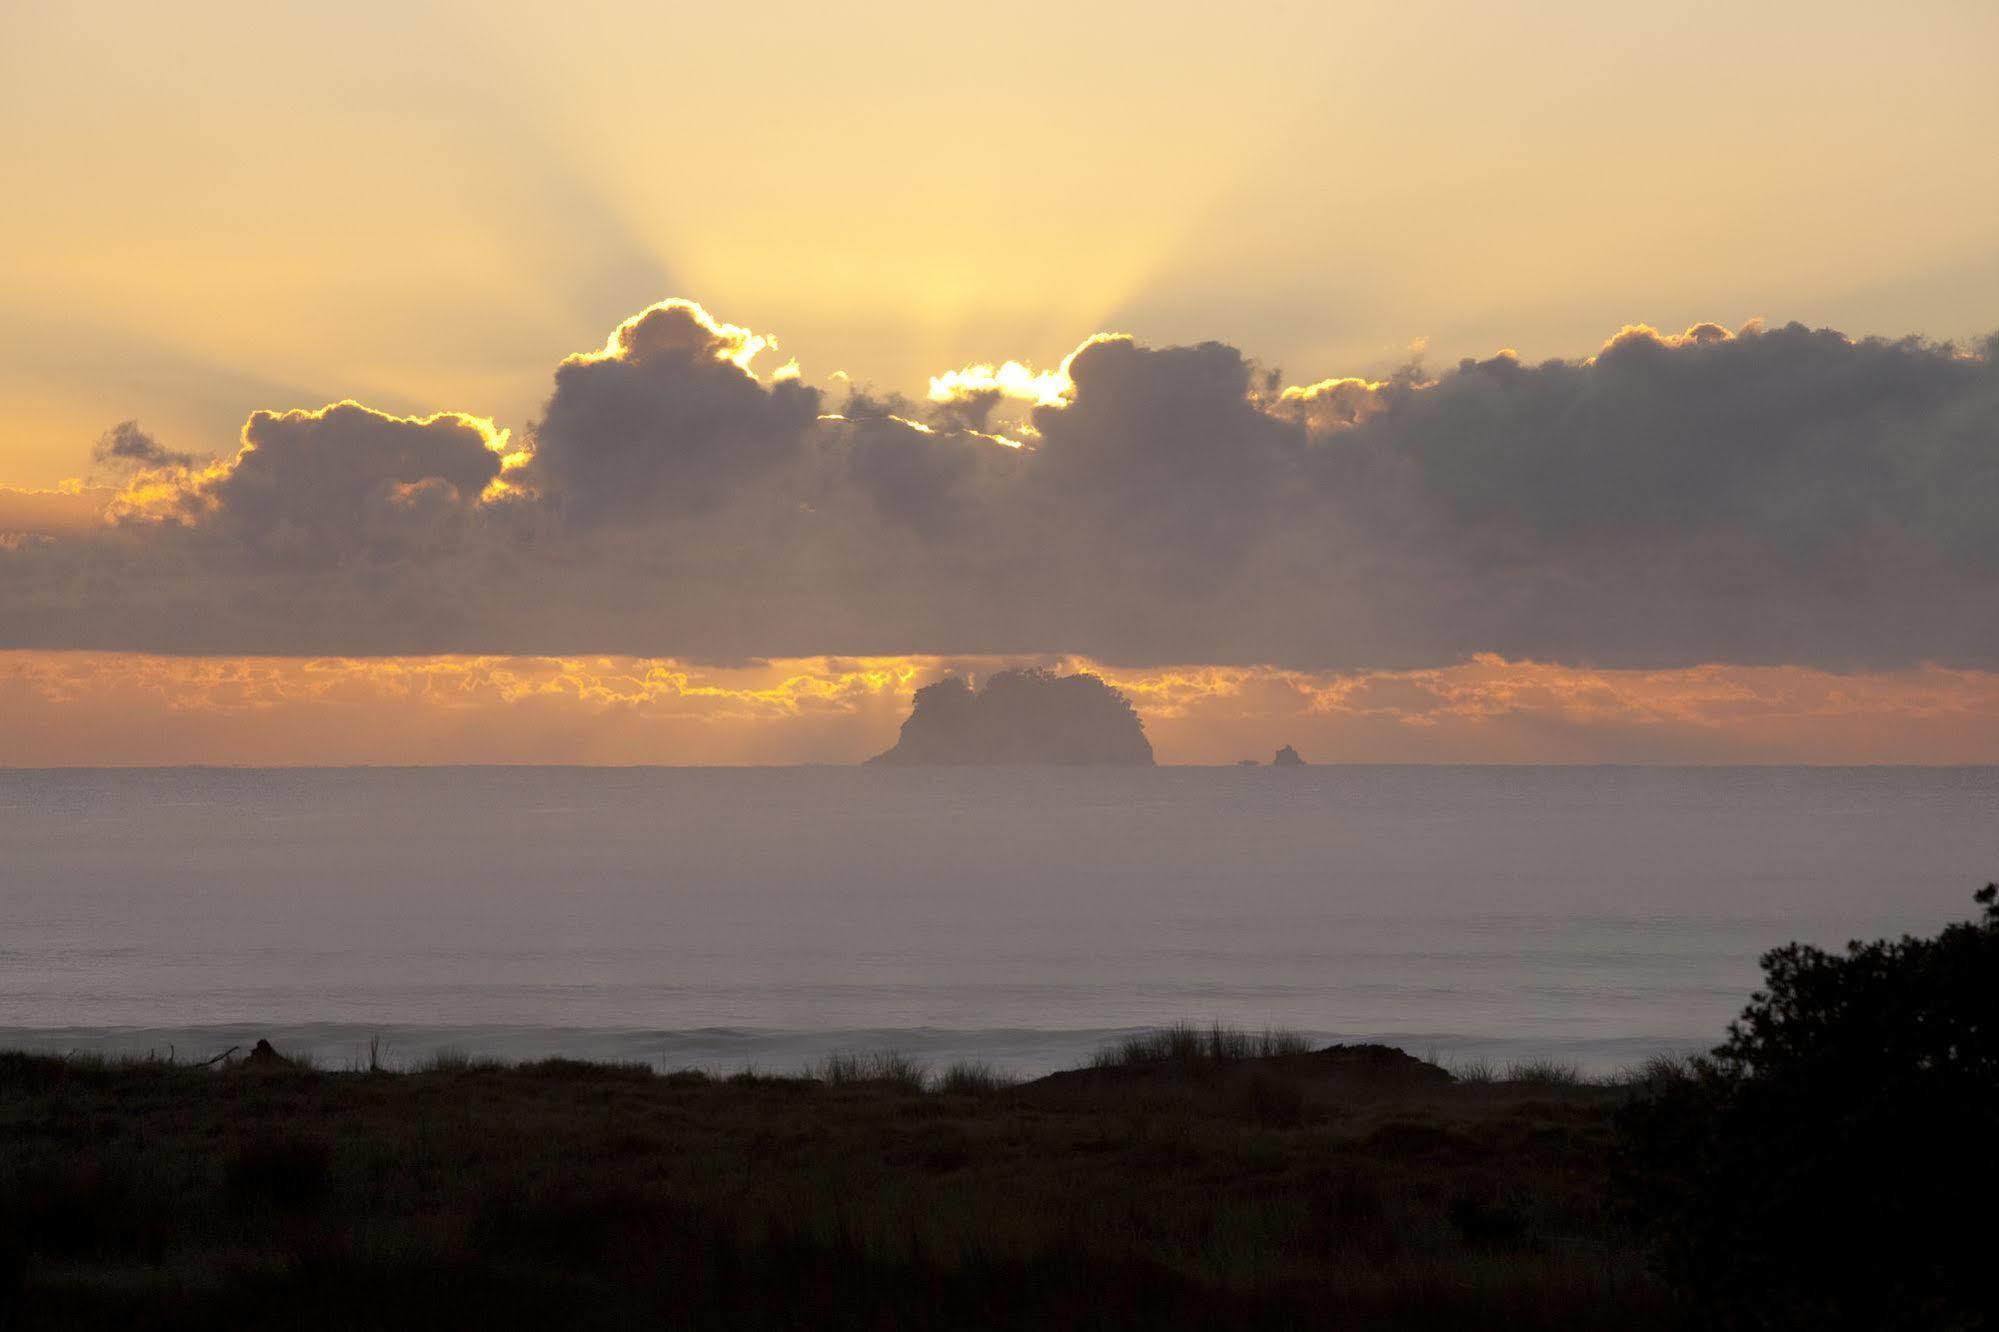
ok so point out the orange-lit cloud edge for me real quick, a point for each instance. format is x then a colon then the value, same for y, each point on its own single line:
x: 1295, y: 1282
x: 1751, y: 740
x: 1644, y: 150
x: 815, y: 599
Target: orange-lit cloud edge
x: 182, y: 491
x: 97, y: 708
x: 60, y: 708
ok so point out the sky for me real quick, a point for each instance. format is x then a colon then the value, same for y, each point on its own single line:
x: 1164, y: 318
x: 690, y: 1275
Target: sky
x: 637, y: 383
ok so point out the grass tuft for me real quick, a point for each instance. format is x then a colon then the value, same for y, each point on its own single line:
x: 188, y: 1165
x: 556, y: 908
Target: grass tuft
x: 1543, y: 1073
x: 1659, y: 1073
x: 1185, y: 1043
x: 451, y: 1060
x: 883, y: 1068
x: 975, y: 1078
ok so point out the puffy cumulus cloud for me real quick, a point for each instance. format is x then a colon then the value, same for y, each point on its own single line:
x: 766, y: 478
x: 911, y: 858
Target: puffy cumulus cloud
x: 667, y: 419
x: 1701, y: 334
x: 1786, y: 495
x: 1767, y: 496
x: 1333, y: 404
x: 916, y: 476
x: 320, y: 487
x: 1163, y: 459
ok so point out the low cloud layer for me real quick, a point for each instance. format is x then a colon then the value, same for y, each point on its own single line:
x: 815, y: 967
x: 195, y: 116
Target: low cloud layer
x: 1773, y: 496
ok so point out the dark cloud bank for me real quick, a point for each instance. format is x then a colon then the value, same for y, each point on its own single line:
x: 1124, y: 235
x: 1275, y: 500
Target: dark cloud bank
x: 1780, y: 496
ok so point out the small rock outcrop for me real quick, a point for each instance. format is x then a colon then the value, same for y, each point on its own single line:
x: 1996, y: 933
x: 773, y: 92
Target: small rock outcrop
x: 264, y: 1055
x: 1287, y: 757
x: 1021, y: 716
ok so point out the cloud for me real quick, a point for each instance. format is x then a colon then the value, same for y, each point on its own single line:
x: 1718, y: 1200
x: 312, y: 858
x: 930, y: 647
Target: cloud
x: 1163, y: 458
x: 1332, y: 404
x: 126, y: 446
x: 915, y: 476
x: 319, y: 488
x: 1009, y: 380
x: 1789, y: 495
x: 667, y: 419
x: 1767, y: 496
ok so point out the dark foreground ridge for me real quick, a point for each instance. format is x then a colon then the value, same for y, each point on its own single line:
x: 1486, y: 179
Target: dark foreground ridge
x: 1193, y: 1179
x: 1021, y: 716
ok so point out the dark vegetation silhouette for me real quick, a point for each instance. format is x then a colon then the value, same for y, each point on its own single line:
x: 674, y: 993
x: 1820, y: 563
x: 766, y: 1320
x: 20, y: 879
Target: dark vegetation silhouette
x: 1835, y: 1162
x: 1185, y: 1044
x: 1828, y: 1166
x: 1190, y: 1178
x: 1021, y: 716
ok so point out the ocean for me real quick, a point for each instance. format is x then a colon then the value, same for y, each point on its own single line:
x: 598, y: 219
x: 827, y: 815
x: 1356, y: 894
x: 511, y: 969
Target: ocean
x: 765, y: 917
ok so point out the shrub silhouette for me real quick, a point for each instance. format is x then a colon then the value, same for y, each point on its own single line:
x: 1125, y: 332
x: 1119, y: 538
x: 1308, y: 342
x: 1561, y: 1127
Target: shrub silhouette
x: 1832, y: 1164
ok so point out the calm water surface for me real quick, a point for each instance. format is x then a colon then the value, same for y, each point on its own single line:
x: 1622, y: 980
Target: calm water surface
x: 720, y: 917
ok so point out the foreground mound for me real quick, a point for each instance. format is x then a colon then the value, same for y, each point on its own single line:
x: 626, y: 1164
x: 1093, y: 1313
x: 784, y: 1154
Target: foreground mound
x: 1337, y: 1073
x: 1024, y: 716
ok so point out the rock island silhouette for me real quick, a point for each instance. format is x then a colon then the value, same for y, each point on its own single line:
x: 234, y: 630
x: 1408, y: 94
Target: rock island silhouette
x: 1021, y: 716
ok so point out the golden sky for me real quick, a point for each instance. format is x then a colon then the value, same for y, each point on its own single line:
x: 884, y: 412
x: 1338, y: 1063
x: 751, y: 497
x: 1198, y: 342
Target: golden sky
x: 134, y: 709
x: 59, y: 708
x: 221, y: 209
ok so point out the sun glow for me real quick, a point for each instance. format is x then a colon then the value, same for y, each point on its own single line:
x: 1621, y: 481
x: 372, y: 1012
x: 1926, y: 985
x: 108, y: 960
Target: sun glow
x: 1010, y: 379
x: 163, y: 494
x: 1016, y: 380
x: 1699, y: 334
x: 511, y: 461
x: 1331, y: 404
x: 647, y: 331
